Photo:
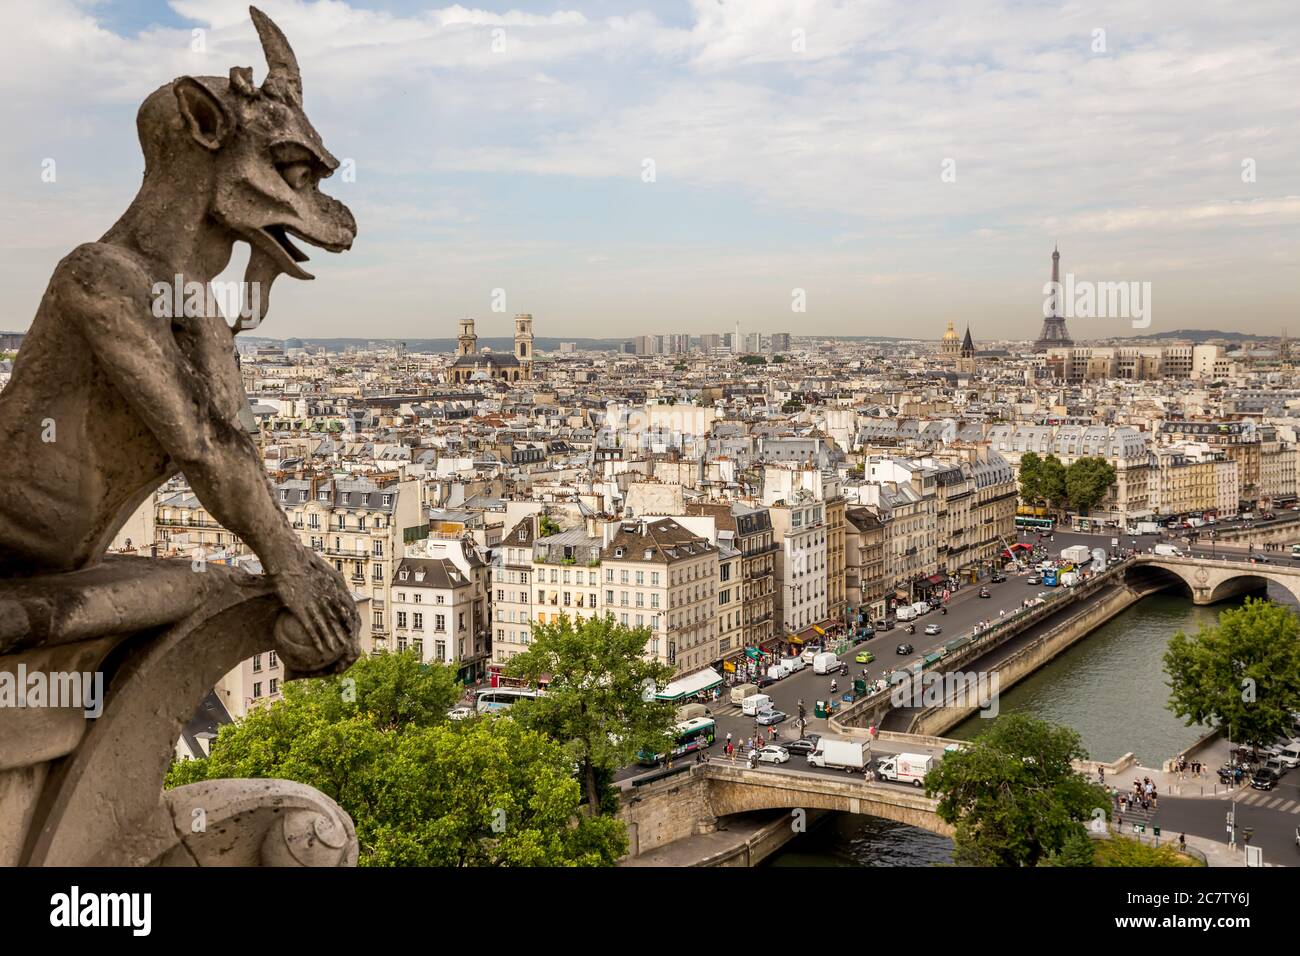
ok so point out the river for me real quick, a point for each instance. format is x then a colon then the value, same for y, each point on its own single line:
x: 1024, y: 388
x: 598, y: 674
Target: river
x: 1110, y: 687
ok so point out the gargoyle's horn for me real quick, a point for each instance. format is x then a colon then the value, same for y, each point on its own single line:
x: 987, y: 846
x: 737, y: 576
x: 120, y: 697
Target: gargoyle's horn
x: 283, y: 76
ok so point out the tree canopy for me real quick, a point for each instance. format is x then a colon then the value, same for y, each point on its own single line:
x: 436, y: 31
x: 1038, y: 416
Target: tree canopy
x: 1086, y: 482
x: 1013, y: 795
x: 1242, y: 674
x: 596, y: 702
x: 422, y: 790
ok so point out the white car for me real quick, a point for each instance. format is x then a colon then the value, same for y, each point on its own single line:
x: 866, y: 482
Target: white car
x: 460, y: 713
x: 773, y: 754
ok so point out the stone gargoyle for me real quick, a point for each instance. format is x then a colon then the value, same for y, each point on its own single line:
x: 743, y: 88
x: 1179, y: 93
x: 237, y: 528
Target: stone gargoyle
x: 108, y: 400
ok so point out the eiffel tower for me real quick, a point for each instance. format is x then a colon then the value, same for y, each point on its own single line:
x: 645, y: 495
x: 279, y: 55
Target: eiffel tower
x: 1054, y: 334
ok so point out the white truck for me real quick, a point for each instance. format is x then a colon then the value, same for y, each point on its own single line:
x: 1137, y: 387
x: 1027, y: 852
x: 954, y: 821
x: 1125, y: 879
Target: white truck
x: 1167, y: 550
x: 905, y: 768
x: 1069, y: 579
x: 755, y: 704
x: 779, y: 671
x: 849, y: 754
x: 795, y: 663
x: 1077, y: 554
x: 825, y: 662
x: 1148, y: 527
x: 741, y: 691
x: 906, y: 613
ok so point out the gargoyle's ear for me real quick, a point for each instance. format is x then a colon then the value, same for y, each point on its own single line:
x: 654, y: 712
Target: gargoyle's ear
x: 208, y: 121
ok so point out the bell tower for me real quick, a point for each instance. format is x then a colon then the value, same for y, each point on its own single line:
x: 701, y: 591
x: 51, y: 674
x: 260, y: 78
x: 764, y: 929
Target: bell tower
x: 524, y: 344
x: 467, y: 343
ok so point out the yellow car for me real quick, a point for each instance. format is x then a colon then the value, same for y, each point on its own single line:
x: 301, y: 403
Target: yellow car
x: 865, y: 657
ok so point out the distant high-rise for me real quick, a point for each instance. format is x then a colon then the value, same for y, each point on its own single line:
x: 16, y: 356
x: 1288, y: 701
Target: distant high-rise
x: 780, y: 341
x: 1054, y: 333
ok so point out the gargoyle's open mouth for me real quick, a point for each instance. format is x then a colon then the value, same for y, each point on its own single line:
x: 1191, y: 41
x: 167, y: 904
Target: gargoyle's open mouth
x: 278, y: 235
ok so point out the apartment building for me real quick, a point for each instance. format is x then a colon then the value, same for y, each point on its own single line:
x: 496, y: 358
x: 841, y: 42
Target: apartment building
x: 864, y: 548
x: 662, y: 576
x: 731, y: 597
x: 360, y: 525
x: 1193, y: 478
x: 753, y: 536
x: 799, y: 527
x: 566, y: 574
x: 440, y: 606
x: 511, y: 599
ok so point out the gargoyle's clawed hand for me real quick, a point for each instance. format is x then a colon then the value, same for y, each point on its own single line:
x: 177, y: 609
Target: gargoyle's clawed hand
x: 319, y: 635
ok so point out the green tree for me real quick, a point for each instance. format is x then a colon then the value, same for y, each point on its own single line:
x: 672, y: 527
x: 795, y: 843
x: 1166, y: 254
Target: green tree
x: 1242, y: 674
x: 752, y: 360
x: 547, y: 526
x: 1076, y: 851
x: 421, y: 790
x: 1031, y: 478
x: 1087, y: 481
x: 1052, y: 482
x: 596, y: 703
x: 1013, y: 795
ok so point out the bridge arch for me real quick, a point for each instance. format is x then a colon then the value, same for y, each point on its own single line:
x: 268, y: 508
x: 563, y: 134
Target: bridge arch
x: 1243, y: 583
x: 1153, y: 577
x: 1209, y: 581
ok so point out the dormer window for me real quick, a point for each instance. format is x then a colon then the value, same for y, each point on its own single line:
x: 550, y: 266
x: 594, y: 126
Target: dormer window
x: 649, y: 553
x: 403, y: 574
x: 323, y: 496
x: 618, y: 552
x: 419, y: 575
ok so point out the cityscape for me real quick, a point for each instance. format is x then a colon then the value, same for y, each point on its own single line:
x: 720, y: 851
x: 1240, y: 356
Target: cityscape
x: 1014, y: 583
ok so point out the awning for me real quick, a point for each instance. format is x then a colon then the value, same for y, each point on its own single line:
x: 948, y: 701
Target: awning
x: 795, y: 639
x: 753, y: 653
x: 690, y: 685
x: 936, y: 579
x: 819, y: 630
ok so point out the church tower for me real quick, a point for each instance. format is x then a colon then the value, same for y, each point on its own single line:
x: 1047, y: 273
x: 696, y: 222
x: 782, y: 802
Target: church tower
x: 966, y: 363
x: 524, y: 344
x: 950, y: 343
x: 468, y: 341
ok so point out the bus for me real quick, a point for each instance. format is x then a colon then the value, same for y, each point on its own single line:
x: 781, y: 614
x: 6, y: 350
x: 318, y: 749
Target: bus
x: 491, y: 700
x: 1041, y: 525
x: 690, y: 736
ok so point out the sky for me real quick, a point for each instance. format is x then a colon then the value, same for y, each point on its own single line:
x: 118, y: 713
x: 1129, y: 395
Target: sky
x: 624, y: 167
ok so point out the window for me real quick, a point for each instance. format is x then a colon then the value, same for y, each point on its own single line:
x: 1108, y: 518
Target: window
x: 257, y: 689
x: 654, y: 578
x: 654, y: 600
x: 440, y: 622
x: 275, y: 685
x: 271, y: 660
x: 379, y: 620
x: 442, y: 598
x: 418, y: 620
x: 640, y: 577
x: 622, y: 576
x: 401, y: 619
x: 257, y: 663
x: 418, y: 597
x: 419, y: 649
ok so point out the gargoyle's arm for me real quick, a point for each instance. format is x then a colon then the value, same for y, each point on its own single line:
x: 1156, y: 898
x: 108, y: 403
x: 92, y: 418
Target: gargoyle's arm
x: 190, y: 406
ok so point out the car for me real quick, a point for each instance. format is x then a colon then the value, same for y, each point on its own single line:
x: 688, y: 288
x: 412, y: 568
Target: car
x: 985, y: 593
x: 763, y: 680
x: 933, y: 629
x: 864, y: 634
x: 998, y: 578
x: 1263, y: 779
x: 1268, y: 516
x: 804, y: 745
x: 773, y: 754
x: 885, y: 624
x: 865, y: 657
x: 1033, y: 579
x: 460, y: 713
x: 903, y: 649
x: 767, y: 718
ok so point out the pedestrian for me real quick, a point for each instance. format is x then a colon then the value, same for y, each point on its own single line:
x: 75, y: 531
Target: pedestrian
x: 1101, y: 775
x: 1182, y: 843
x: 728, y: 738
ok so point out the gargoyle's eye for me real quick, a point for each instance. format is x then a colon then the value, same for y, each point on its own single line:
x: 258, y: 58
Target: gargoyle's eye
x: 297, y: 175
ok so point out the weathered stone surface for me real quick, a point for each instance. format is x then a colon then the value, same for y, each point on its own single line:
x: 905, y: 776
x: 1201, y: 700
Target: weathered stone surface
x: 118, y: 387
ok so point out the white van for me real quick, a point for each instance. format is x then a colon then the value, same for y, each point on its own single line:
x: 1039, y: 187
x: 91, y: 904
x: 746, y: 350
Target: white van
x: 906, y: 613
x: 778, y: 671
x: 755, y: 704
x: 920, y: 607
x: 795, y: 664
x: 1288, y: 754
x: 1167, y: 550
x: 825, y: 662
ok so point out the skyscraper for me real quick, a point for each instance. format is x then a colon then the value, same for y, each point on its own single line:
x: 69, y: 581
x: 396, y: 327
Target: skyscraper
x: 1054, y: 333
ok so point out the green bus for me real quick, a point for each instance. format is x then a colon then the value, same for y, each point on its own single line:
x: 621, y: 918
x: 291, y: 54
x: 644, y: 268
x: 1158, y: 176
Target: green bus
x: 1029, y: 523
x: 690, y: 736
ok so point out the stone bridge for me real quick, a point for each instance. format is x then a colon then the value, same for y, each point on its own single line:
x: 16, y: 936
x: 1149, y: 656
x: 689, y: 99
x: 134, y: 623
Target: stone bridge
x: 695, y: 801
x: 1210, y: 580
